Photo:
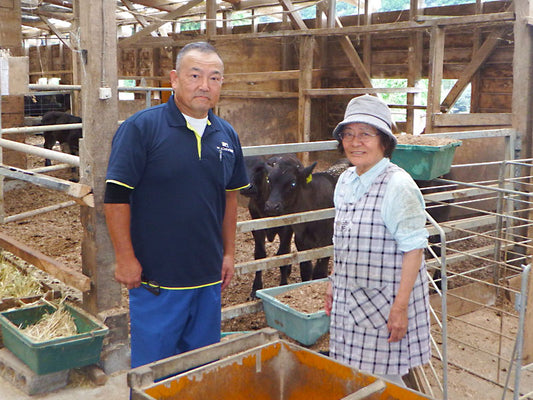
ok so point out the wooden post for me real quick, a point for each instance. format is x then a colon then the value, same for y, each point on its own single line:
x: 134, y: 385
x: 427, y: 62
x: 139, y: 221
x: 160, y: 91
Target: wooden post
x: 211, y: 15
x: 436, y: 59
x: 100, y: 121
x: 307, y: 45
x: 99, y: 49
x: 12, y: 107
x: 476, y: 79
x: 286, y: 55
x: 523, y: 123
x: 226, y: 24
x: 332, y: 13
x: 77, y: 72
x: 2, y: 203
x: 416, y: 50
x: 367, y: 39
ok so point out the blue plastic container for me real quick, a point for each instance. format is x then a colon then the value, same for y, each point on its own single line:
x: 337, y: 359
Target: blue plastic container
x: 302, y: 327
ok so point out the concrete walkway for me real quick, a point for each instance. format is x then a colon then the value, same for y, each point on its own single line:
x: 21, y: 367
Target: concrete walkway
x: 116, y: 388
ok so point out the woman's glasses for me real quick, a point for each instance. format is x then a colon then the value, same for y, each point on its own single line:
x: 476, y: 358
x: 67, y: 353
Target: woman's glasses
x: 362, y: 137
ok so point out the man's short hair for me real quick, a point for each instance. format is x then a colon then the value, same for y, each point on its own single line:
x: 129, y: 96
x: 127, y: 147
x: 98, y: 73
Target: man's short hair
x: 203, y: 47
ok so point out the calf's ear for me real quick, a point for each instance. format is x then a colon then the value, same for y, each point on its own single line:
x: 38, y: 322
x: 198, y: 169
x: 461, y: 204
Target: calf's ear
x: 306, y: 173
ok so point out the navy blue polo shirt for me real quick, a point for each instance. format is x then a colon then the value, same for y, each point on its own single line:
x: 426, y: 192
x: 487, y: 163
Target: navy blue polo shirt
x: 179, y: 183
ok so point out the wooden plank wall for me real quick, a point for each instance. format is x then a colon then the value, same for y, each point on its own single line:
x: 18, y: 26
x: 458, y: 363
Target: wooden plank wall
x: 274, y: 120
x: 50, y: 61
x: 13, y: 105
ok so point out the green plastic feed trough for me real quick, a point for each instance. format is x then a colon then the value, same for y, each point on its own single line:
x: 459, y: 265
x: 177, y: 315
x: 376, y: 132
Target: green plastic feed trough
x: 424, y: 162
x: 56, y: 354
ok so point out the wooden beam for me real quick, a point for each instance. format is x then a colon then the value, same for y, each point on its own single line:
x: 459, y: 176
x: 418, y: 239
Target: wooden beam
x: 56, y: 31
x: 294, y: 16
x: 474, y: 119
x: 157, y: 4
x: 43, y: 262
x: 477, y: 60
x: 239, y: 310
x: 62, y: 16
x: 266, y: 76
x: 353, y: 57
x: 491, y: 20
x: 256, y: 94
x: 358, y: 91
x: 76, y: 190
x: 152, y: 27
x: 129, y: 5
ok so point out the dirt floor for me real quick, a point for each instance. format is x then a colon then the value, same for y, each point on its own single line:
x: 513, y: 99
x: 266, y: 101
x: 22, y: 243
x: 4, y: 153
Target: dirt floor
x: 58, y: 235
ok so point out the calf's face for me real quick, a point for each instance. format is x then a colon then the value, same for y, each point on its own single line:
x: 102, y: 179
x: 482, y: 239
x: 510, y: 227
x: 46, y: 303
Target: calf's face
x: 287, y: 180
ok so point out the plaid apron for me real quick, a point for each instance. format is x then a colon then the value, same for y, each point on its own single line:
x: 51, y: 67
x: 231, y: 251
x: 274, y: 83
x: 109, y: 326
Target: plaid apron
x: 367, y: 276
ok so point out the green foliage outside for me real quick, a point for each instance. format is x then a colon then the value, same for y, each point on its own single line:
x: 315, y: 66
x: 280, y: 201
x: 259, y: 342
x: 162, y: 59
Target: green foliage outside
x: 394, y: 5
x: 189, y: 25
x: 462, y: 105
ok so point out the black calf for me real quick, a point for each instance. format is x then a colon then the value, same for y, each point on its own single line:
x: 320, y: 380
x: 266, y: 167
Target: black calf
x: 294, y: 188
x: 258, y: 193
x: 68, y: 139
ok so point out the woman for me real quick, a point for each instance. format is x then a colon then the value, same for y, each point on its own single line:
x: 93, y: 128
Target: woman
x: 378, y: 292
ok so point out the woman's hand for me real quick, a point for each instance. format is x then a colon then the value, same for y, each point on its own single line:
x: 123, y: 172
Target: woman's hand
x: 397, y: 323
x: 398, y: 320
x: 328, y: 299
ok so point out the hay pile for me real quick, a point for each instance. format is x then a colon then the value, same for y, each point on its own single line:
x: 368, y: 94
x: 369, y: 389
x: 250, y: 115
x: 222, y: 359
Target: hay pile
x: 56, y: 325
x: 15, y: 283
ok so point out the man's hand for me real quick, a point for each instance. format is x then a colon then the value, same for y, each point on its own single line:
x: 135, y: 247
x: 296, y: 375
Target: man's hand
x: 228, y: 270
x: 128, y: 272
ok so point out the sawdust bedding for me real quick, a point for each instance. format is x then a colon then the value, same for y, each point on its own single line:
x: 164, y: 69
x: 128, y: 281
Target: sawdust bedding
x: 422, y: 140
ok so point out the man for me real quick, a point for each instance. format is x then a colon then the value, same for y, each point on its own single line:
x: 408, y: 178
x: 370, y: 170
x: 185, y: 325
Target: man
x: 171, y: 210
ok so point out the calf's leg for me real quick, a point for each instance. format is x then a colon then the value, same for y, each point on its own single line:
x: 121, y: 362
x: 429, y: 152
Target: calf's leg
x: 259, y: 252
x: 285, y: 237
x: 321, y: 268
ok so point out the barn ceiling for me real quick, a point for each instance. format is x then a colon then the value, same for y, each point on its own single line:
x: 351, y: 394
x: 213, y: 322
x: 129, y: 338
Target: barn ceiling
x: 45, y: 17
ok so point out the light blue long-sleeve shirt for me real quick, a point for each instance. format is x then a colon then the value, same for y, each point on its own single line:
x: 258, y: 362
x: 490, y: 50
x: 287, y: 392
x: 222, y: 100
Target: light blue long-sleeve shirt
x: 403, y: 207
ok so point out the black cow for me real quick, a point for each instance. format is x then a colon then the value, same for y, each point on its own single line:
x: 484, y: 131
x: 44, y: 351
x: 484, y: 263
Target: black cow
x: 258, y: 192
x: 294, y: 188
x: 68, y: 139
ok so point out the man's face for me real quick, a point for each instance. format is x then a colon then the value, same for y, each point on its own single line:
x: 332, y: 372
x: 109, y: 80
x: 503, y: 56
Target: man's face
x: 197, y: 83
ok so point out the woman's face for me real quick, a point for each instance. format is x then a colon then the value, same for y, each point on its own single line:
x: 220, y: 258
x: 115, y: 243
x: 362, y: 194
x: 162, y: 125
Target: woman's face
x: 362, y: 146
